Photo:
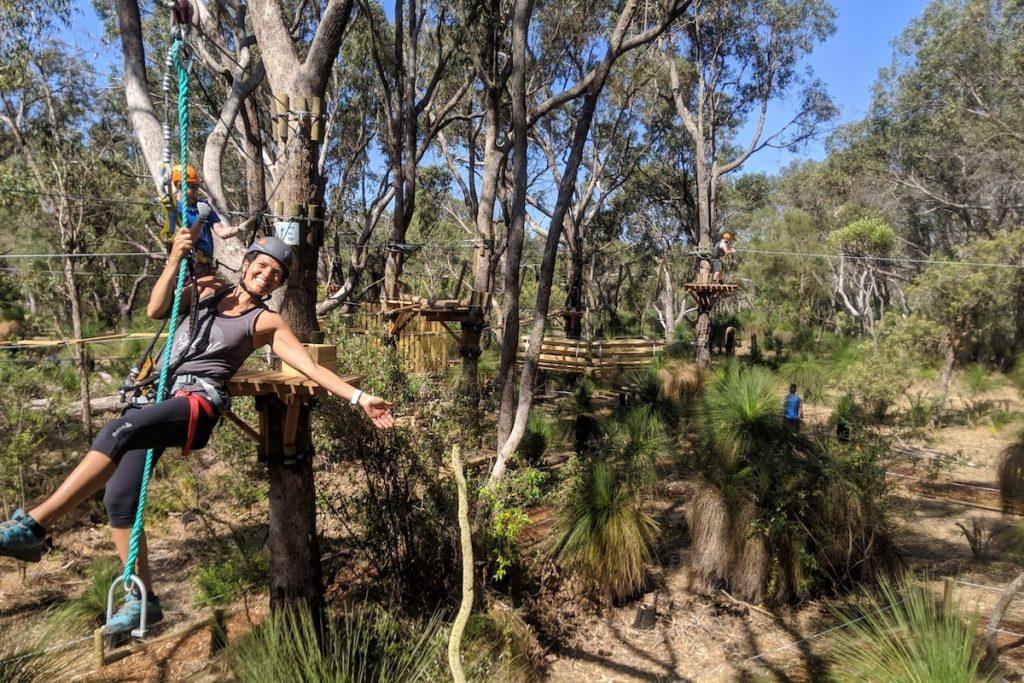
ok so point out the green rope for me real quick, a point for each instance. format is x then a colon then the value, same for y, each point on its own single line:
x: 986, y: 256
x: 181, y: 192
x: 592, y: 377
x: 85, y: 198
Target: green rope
x: 161, y: 391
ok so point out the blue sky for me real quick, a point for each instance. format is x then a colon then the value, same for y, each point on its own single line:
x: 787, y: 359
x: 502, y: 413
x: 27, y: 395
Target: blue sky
x: 848, y: 62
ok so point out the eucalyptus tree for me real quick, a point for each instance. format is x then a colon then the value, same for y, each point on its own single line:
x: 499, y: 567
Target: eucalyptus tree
x: 629, y: 31
x: 43, y: 123
x: 613, y: 152
x: 946, y: 128
x: 723, y: 69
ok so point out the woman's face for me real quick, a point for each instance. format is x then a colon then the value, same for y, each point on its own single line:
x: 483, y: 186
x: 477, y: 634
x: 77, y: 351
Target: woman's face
x: 263, y: 275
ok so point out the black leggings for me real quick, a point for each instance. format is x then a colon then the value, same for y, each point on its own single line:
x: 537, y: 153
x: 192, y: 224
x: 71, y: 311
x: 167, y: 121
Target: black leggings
x: 127, y: 438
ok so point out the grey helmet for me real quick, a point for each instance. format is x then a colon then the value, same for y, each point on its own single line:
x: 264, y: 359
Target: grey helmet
x: 276, y: 249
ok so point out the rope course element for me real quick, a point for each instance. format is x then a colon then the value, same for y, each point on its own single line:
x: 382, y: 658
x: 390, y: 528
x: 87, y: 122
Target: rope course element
x: 147, y: 254
x: 885, y: 259
x: 161, y: 391
x: 150, y: 203
x: 104, y: 339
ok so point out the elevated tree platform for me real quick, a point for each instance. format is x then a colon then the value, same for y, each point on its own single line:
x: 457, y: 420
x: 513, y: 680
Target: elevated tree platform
x: 711, y: 287
x: 707, y: 294
x: 280, y: 397
x: 400, y: 311
x: 597, y: 357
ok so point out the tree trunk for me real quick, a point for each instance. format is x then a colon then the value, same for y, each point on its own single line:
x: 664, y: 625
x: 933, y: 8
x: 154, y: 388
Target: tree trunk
x: 511, y: 284
x: 566, y: 189
x: 483, y: 257
x: 78, y: 350
x: 946, y: 375
x: 574, y: 288
x: 991, y: 634
x: 295, y: 571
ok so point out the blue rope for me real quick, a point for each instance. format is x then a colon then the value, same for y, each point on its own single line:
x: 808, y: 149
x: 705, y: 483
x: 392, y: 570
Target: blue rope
x: 161, y: 391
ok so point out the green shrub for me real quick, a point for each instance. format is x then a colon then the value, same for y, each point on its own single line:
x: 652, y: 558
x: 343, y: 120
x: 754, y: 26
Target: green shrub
x: 876, y: 380
x: 902, y: 634
x: 848, y: 412
x: 603, y: 535
x: 977, y: 379
x: 809, y: 375
x: 1017, y: 373
x: 220, y: 579
x: 540, y: 433
x: 395, y: 498
x: 500, y: 646
x: 367, y: 645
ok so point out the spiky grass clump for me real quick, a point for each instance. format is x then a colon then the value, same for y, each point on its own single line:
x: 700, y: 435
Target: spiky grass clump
x: 679, y: 380
x: 811, y: 376
x: 500, y: 646
x: 725, y: 547
x: 603, y: 535
x: 646, y: 389
x: 540, y: 434
x: 778, y: 514
x: 586, y: 427
x: 23, y: 655
x: 1010, y: 474
x: 740, y: 413
x: 902, y: 634
x: 641, y: 445
x: 977, y: 379
x: 366, y: 645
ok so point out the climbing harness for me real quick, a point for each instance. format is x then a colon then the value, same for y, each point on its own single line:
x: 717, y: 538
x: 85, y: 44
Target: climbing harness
x: 182, y: 15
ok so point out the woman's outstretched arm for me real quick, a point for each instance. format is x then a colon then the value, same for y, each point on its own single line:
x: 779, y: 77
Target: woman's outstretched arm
x: 271, y: 328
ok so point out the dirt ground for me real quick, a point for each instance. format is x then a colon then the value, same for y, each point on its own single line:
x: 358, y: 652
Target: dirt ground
x: 698, y: 635
x: 701, y: 636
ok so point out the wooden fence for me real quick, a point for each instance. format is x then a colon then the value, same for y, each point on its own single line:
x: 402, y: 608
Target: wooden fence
x: 598, y: 357
x: 422, y: 345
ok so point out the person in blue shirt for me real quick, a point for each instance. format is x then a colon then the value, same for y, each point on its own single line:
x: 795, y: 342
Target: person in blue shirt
x: 194, y: 210
x: 792, y: 410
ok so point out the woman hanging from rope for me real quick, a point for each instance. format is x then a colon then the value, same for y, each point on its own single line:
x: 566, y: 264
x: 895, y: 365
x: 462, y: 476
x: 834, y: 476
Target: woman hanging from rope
x: 230, y: 323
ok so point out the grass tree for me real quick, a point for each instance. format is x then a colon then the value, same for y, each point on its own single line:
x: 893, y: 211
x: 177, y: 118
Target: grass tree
x: 775, y: 514
x: 603, y: 534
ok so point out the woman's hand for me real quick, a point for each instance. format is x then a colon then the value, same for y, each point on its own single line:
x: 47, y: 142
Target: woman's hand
x: 378, y: 410
x: 182, y: 244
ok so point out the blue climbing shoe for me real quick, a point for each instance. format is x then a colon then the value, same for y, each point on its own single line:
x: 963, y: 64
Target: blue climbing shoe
x: 127, y: 619
x: 19, y: 540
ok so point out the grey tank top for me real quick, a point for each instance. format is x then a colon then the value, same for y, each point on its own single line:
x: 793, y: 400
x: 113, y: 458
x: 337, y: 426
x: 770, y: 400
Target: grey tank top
x: 219, y: 347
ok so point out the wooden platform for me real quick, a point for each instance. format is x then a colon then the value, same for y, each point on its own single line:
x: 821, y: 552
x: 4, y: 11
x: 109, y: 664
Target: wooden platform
x: 598, y: 357
x: 281, y: 384
x: 282, y: 398
x: 403, y: 309
x: 718, y: 287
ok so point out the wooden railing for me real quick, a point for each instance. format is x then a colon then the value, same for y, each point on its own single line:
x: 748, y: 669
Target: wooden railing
x: 599, y: 357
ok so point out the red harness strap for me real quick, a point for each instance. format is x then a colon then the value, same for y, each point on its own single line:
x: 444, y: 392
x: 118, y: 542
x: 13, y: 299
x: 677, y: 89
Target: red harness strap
x: 195, y: 402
